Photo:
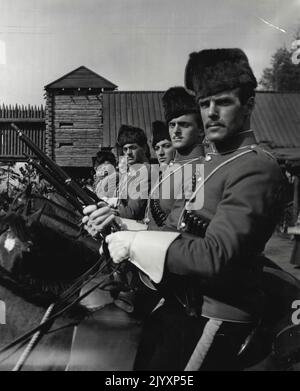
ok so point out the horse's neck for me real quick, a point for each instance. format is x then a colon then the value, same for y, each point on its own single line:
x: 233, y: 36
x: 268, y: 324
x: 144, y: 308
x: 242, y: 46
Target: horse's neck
x: 20, y: 315
x: 53, y: 350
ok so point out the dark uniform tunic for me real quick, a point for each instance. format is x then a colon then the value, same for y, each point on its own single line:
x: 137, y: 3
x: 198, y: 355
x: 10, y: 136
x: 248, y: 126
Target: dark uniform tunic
x: 243, y: 191
x: 215, y: 274
x: 171, y: 186
x: 131, y: 205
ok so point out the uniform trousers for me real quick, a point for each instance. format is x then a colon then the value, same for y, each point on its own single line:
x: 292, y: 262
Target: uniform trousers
x: 170, y: 335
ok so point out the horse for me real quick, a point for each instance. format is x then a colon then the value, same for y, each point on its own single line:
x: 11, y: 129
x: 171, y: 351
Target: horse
x: 38, y: 264
x: 41, y: 254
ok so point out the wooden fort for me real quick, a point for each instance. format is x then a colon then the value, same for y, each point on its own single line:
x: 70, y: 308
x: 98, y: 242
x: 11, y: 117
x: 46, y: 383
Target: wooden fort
x: 31, y: 120
x: 74, y: 117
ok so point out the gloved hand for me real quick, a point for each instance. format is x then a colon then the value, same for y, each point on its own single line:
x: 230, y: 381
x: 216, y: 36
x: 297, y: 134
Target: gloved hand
x: 119, y: 244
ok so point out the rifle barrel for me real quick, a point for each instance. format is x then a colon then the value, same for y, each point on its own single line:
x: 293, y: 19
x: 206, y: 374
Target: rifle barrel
x: 55, y: 175
x: 58, y: 186
x: 57, y: 171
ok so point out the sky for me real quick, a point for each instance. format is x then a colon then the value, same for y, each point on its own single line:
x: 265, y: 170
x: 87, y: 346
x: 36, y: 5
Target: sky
x: 136, y: 44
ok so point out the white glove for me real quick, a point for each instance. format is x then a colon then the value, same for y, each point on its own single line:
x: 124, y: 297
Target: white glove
x: 119, y: 244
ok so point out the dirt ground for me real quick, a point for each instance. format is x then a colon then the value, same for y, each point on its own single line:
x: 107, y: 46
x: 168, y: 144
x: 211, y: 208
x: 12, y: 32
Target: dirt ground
x: 279, y: 249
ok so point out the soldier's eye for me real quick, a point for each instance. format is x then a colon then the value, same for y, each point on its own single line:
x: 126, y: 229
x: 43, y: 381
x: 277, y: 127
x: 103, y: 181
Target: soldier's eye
x: 204, y: 104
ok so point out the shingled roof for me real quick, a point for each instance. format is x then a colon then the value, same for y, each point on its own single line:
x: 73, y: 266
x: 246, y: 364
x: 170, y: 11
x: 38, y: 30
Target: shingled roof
x: 82, y: 77
x: 275, y: 121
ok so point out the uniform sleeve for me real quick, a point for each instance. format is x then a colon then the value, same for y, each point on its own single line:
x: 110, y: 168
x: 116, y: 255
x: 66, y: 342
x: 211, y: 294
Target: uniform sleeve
x: 132, y: 209
x: 245, y: 219
x: 133, y: 206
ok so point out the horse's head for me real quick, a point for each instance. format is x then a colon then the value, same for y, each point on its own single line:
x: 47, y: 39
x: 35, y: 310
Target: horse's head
x: 32, y: 252
x: 15, y: 241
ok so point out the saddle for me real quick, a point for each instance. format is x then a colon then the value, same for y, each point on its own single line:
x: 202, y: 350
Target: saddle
x: 274, y: 343
x: 107, y: 340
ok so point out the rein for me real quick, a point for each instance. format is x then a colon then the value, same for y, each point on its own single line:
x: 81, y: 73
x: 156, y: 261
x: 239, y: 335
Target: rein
x: 37, y: 332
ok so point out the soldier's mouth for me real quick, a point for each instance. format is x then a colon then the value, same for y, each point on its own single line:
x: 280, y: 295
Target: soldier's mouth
x: 214, y: 125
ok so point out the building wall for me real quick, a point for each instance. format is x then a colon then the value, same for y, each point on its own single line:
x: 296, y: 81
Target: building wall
x: 74, y: 127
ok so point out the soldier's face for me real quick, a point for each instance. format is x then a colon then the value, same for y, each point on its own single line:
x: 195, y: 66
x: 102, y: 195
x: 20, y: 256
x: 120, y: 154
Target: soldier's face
x: 164, y: 151
x: 104, y: 169
x: 185, y: 132
x: 223, y: 115
x: 134, y: 153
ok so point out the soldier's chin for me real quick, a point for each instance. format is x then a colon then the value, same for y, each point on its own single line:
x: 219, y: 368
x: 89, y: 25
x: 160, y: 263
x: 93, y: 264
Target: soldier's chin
x: 178, y: 144
x: 215, y: 136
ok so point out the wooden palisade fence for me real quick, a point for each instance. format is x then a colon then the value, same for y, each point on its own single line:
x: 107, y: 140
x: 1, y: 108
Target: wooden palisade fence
x: 31, y: 119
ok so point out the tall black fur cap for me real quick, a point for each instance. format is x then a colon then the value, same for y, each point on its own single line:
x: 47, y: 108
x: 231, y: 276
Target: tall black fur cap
x: 177, y: 102
x: 160, y: 131
x: 211, y: 71
x: 131, y: 134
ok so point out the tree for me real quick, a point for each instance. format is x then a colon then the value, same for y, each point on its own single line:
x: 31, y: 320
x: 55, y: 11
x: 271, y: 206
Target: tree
x: 283, y: 75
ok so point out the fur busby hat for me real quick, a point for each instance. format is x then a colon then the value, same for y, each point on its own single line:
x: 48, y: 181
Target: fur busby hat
x: 160, y: 132
x: 211, y: 71
x: 177, y: 101
x: 131, y: 135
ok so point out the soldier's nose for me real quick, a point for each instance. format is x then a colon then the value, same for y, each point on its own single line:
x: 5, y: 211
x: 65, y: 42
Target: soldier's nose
x: 177, y: 129
x: 212, y: 110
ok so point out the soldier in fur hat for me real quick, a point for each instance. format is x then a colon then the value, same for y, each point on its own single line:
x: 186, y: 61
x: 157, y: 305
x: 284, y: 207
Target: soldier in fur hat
x: 186, y: 133
x: 211, y: 267
x: 161, y: 143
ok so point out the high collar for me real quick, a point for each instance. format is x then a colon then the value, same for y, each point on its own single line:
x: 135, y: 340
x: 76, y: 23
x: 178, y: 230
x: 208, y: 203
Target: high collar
x: 132, y: 169
x: 237, y: 141
x: 196, y: 152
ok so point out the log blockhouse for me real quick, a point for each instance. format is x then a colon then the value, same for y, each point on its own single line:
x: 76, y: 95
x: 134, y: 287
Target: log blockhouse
x: 74, y: 117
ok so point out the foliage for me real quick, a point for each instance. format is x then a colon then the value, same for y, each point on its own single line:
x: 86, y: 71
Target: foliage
x: 283, y: 75
x: 14, y: 182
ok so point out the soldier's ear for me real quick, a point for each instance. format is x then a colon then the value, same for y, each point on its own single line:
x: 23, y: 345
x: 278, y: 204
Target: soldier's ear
x: 249, y: 106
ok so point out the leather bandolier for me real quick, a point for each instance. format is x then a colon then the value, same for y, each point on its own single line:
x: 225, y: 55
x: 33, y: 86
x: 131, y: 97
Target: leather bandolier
x: 158, y: 214
x: 159, y: 207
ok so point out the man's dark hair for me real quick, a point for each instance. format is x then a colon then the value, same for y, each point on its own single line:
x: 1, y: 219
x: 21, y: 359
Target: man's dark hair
x: 244, y: 93
x: 104, y: 156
